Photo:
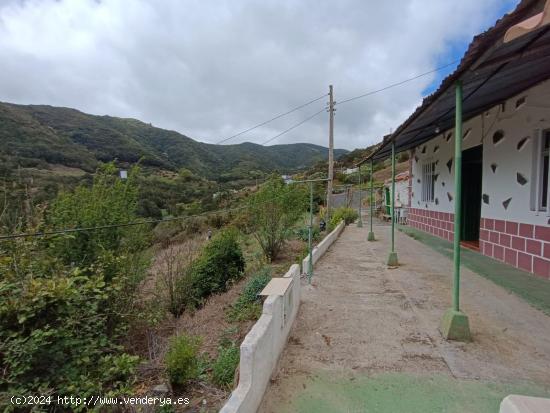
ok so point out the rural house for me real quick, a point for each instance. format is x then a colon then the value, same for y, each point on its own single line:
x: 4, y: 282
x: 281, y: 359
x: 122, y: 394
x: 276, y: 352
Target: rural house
x: 502, y: 91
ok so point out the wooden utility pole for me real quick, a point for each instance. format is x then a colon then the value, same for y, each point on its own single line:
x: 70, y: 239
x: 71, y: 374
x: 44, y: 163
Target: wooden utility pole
x: 330, y: 150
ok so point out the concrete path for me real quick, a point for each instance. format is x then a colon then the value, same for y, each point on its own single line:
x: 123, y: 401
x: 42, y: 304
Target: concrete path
x: 366, y: 338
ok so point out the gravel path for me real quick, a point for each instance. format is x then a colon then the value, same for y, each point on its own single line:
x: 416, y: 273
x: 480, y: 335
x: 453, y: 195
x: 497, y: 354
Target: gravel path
x: 360, y: 320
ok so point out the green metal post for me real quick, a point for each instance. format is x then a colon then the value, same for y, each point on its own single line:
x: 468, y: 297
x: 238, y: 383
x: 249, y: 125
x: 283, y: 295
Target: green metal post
x: 371, y: 202
x: 458, y: 199
x: 455, y: 325
x: 310, y: 235
x: 392, y: 258
x: 360, y: 221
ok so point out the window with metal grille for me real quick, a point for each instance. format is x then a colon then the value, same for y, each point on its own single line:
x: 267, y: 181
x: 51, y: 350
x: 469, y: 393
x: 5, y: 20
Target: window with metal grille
x: 428, y: 181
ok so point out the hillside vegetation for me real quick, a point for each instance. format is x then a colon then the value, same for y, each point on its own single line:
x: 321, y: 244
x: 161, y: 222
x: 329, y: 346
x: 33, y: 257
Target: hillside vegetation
x: 33, y: 135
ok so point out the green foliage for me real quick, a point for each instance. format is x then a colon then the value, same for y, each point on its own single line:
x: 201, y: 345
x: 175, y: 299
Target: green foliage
x: 59, y: 328
x: 62, y: 322
x: 248, y: 305
x: 174, y: 265
x: 223, y: 369
x: 272, y: 212
x: 181, y: 360
x: 108, y: 202
x: 220, y: 262
x: 72, y: 138
x: 303, y: 233
x: 348, y: 215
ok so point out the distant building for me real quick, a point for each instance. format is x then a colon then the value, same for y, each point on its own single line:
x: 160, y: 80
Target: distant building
x: 350, y: 171
x: 287, y: 178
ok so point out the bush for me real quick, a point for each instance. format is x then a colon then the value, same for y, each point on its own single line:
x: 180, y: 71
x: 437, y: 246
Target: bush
x: 272, y: 212
x: 220, y: 262
x: 109, y: 201
x: 181, y: 360
x: 223, y: 369
x: 348, y: 215
x: 58, y: 330
x: 247, y: 306
x: 174, y: 279
x: 303, y: 233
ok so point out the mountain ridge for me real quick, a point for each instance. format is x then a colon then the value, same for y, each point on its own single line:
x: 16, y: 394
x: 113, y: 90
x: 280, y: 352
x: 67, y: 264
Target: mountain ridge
x: 58, y: 135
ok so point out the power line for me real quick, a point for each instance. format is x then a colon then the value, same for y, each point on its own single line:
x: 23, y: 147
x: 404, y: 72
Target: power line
x: 272, y: 119
x: 398, y: 83
x: 293, y: 127
x: 127, y: 224
x: 342, y: 102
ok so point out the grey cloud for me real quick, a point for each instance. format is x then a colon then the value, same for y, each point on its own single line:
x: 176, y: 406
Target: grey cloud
x: 210, y: 69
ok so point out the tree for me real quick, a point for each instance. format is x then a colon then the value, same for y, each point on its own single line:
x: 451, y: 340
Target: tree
x: 272, y: 212
x: 109, y: 202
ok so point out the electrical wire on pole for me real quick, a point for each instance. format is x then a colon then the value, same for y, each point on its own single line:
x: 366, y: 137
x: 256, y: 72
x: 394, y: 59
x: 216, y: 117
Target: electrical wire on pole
x: 272, y: 119
x: 392, y: 85
x: 294, y: 126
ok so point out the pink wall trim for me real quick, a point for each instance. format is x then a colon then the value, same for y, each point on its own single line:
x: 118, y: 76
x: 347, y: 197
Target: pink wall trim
x: 523, y: 246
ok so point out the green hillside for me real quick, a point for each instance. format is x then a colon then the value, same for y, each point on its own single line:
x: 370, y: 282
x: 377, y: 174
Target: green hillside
x: 45, y: 150
x: 34, y: 134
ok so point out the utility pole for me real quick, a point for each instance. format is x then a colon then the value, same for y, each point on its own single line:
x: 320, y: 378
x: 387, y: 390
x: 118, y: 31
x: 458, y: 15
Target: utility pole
x: 330, y: 150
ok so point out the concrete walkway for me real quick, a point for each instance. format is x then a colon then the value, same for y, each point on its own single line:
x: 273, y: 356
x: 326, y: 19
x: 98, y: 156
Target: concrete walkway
x: 366, y: 338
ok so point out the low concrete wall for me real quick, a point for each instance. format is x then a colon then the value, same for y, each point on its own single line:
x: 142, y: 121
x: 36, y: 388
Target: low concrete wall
x: 263, y: 345
x: 524, y: 404
x: 323, y: 246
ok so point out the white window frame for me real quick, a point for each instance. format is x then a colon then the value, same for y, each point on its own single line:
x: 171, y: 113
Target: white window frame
x: 428, y: 181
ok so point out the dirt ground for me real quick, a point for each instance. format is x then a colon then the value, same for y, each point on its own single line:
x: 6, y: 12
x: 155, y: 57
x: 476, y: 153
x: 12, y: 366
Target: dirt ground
x: 209, y: 322
x: 367, y: 339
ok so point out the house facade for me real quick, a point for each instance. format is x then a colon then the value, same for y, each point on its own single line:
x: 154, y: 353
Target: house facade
x: 402, y: 190
x: 505, y: 182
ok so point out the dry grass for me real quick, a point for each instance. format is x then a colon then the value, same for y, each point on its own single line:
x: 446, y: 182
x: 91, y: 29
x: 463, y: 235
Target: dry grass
x: 209, y: 322
x: 383, y: 174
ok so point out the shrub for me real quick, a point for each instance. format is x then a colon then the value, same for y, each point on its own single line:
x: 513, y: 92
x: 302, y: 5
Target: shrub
x: 272, y: 212
x: 109, y: 201
x: 303, y: 233
x: 348, y: 215
x: 223, y: 369
x: 247, y: 306
x: 220, y: 262
x: 181, y: 360
x: 173, y: 266
x: 58, y: 332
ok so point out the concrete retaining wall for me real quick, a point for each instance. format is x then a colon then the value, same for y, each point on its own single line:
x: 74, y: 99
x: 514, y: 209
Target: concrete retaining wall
x: 323, y: 246
x: 263, y: 345
x: 524, y: 404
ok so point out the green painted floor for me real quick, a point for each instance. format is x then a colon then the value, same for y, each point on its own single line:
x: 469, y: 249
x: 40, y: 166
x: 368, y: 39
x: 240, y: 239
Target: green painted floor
x: 534, y: 290
x: 399, y: 392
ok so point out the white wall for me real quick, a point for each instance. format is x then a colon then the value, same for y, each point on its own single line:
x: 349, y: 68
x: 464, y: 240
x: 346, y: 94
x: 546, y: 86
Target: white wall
x: 323, y: 246
x: 264, y: 343
x: 401, y: 193
x: 501, y: 184
x: 262, y: 346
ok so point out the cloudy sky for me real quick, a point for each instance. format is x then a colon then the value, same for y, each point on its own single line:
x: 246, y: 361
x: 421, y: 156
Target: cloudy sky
x: 210, y: 69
